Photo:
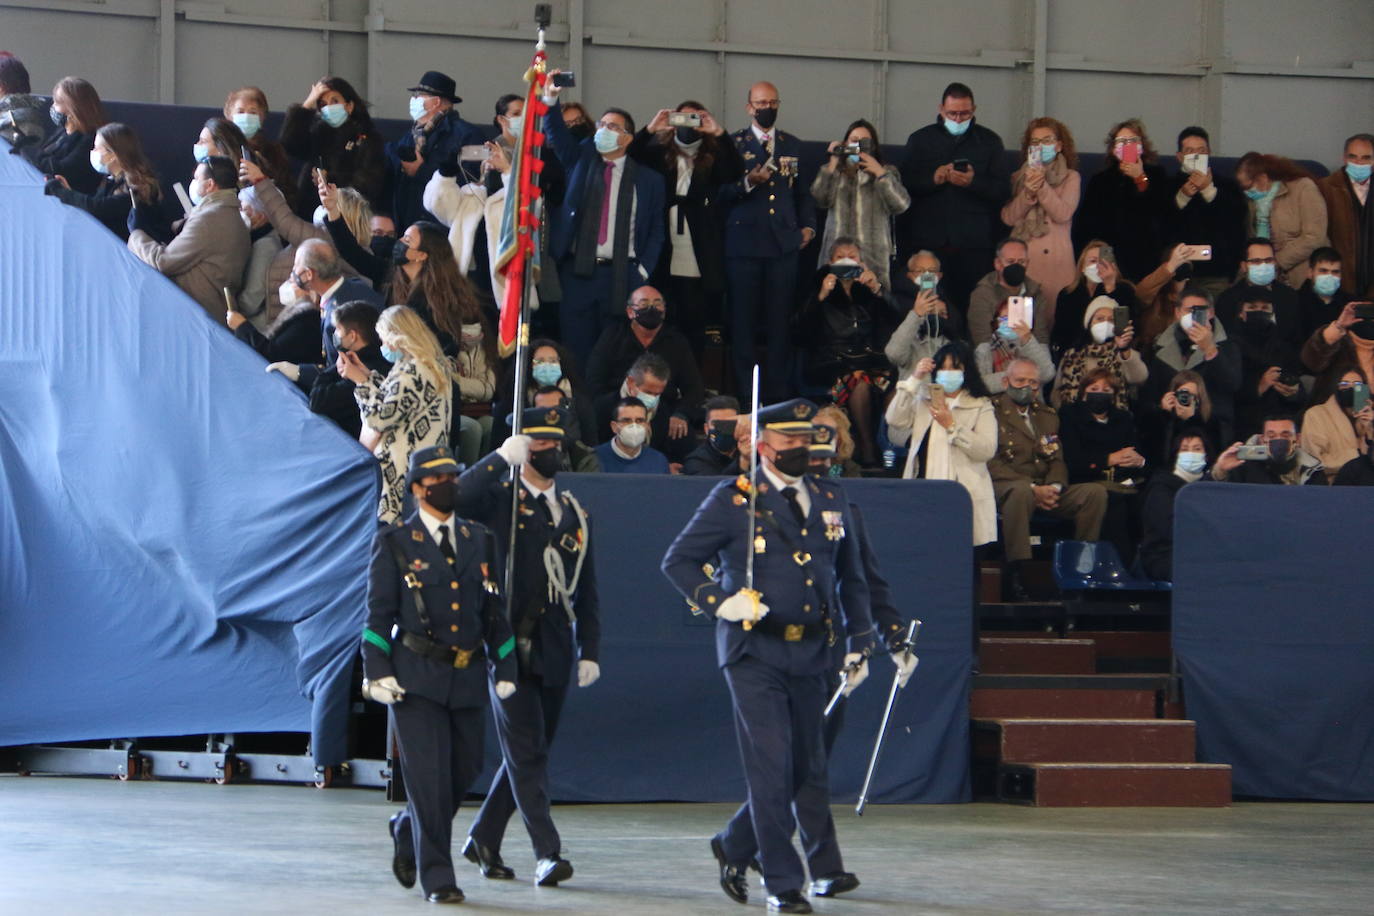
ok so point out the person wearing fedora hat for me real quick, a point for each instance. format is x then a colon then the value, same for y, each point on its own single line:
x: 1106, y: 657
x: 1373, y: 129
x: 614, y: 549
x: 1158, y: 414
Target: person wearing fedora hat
x: 435, y: 138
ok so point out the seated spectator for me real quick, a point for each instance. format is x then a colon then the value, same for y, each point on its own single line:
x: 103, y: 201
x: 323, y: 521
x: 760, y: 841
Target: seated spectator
x: 1358, y: 472
x: 649, y: 378
x: 1158, y: 294
x: 695, y: 163
x: 1350, y: 214
x: 23, y: 116
x: 247, y: 108
x: 1007, y: 278
x: 354, y: 331
x: 628, y: 451
x: 1269, y: 366
x: 1124, y: 202
x: 220, y: 137
x: 1323, y: 297
x: 1203, y: 347
x: 951, y: 429
x: 1203, y: 210
x: 1287, y: 208
x: 436, y: 136
x: 1028, y: 471
x: 1284, y: 462
x: 409, y: 408
x: 1098, y: 275
x: 1260, y: 276
x: 1333, y: 431
x: 1348, y: 340
x: 293, y: 338
x: 125, y: 172
x: 930, y: 323
x: 1186, y: 405
x: 474, y: 373
x: 551, y: 365
x: 862, y: 195
x: 1188, y: 457
x: 427, y: 280
x: 66, y: 153
x: 333, y: 131
x: 1101, y: 446
x: 643, y: 331
x: 253, y: 298
x: 1010, y: 342
x: 842, y: 326
x: 833, y: 423
x: 1100, y: 345
x: 574, y: 454
x: 211, y: 249
x: 717, y: 453
x: 1044, y: 197
x: 365, y: 240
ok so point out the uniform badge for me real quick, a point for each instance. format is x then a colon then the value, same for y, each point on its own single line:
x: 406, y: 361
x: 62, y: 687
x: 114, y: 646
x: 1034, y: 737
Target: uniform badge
x: 834, y: 523
x: 760, y: 545
x: 787, y: 166
x: 485, y: 573
x: 749, y: 155
x: 416, y: 536
x: 464, y: 531
x: 739, y: 499
x: 419, y: 565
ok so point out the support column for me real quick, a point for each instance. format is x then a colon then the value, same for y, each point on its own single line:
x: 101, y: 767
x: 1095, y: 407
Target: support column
x: 167, y: 52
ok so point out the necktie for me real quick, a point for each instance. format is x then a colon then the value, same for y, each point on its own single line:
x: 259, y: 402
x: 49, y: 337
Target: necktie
x: 603, y: 232
x: 543, y: 500
x: 790, y: 494
x: 446, y: 546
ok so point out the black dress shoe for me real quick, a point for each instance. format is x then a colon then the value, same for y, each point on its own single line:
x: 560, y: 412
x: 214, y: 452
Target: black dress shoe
x: 488, y: 860
x: 449, y: 894
x: 788, y: 902
x: 402, y: 865
x: 838, y: 883
x: 733, y: 880
x: 548, y: 872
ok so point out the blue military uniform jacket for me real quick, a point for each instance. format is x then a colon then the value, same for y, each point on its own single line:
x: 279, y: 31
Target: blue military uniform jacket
x: 462, y: 612
x: 554, y: 642
x: 767, y: 221
x: 801, y: 595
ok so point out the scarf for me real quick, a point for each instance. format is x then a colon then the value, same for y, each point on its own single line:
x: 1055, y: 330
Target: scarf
x: 1002, y: 355
x: 1035, y: 223
x: 1079, y: 361
x: 1263, y: 207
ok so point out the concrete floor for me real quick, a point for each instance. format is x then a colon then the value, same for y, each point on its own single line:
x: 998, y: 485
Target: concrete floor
x: 72, y: 845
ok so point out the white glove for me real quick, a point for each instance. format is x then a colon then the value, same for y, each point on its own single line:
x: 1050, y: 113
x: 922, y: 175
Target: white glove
x: 290, y: 370
x: 906, y: 662
x: 515, y: 450
x: 742, y: 606
x: 909, y: 385
x: 587, y: 673
x: 854, y: 678
x: 504, y: 689
x: 384, y: 690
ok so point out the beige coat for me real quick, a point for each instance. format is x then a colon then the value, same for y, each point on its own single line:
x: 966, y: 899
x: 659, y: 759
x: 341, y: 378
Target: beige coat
x: 1329, y: 436
x: 207, y: 255
x: 960, y: 454
x: 293, y: 230
x: 1052, y: 262
x: 1297, y: 227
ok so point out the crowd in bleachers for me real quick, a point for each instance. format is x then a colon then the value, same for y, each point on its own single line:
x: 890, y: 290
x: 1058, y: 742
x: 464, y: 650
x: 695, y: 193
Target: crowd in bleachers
x: 1061, y: 344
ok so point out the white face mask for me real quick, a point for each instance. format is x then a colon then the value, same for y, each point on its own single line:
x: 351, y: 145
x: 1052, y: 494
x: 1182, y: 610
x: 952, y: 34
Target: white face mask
x: 514, y: 123
x: 320, y: 218
x: 1103, y: 331
x: 288, y: 293
x: 633, y: 435
x: 1092, y: 273
x: 1186, y: 322
x: 471, y: 335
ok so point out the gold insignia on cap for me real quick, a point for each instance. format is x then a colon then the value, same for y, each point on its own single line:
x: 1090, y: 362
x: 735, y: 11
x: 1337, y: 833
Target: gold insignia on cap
x: 551, y: 417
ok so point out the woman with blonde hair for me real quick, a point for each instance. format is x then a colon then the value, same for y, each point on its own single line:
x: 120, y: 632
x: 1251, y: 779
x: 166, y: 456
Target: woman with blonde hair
x: 1044, y: 198
x: 410, y: 408
x: 843, y: 464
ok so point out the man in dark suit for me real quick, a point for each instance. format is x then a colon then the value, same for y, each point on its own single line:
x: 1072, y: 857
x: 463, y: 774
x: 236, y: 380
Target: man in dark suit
x: 556, y: 625
x: 776, y: 636
x: 608, y: 234
x: 436, y: 136
x: 770, y: 217
x: 435, y: 634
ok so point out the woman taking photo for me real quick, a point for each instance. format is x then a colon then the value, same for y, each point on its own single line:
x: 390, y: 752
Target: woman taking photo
x: 1333, y: 430
x: 1009, y: 342
x: 1100, y: 345
x: 1124, y: 203
x: 863, y: 195
x: 125, y: 173
x: 1044, y: 197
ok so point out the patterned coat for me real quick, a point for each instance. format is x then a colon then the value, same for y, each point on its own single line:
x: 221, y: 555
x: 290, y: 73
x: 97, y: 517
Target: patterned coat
x: 411, y: 410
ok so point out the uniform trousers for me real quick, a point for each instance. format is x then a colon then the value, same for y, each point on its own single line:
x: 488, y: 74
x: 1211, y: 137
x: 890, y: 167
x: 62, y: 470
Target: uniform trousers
x: 1085, y: 503
x: 762, y: 290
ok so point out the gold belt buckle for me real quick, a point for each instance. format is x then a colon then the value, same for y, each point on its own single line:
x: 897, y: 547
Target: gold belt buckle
x: 793, y: 632
x: 461, y: 657
x: 801, y: 557
x: 412, y: 581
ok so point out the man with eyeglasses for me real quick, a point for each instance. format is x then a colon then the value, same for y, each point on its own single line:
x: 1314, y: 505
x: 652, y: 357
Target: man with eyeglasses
x: 769, y: 218
x: 1204, y: 209
x: 629, y: 451
x: 1259, y: 272
x: 608, y: 233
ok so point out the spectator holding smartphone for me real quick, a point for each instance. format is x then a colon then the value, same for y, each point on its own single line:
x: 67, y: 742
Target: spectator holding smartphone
x: 1348, y: 339
x: 929, y: 323
x: 1188, y: 458
x: 1269, y: 366
x: 1204, y: 211
x: 1122, y: 203
x: 1287, y: 208
x: 1260, y: 277
x: 1337, y: 428
x: 1010, y: 342
x: 1278, y: 459
x: 862, y: 195
x: 126, y: 174
x: 247, y: 108
x: 1323, y: 297
x: 1197, y: 341
x: 1008, y: 277
x: 1044, y: 198
x: 1159, y: 291
x: 1100, y: 345
x: 1098, y: 275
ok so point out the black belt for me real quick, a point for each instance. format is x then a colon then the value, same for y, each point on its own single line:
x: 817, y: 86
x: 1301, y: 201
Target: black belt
x: 435, y: 651
x: 790, y: 632
x: 605, y: 262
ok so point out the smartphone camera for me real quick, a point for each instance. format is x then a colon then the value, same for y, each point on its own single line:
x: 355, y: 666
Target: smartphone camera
x: 846, y: 271
x: 684, y: 119
x: 1288, y: 377
x: 565, y: 79
x: 1200, y: 315
x: 962, y: 165
x: 1253, y: 453
x: 1364, y: 311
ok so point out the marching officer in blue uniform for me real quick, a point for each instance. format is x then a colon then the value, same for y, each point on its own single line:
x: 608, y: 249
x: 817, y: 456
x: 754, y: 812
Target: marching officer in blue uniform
x: 776, y: 642
x: 553, y: 611
x: 436, y: 633
x: 770, y: 217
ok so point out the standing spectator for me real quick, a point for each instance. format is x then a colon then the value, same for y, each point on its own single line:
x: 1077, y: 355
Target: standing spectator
x: 1205, y: 210
x: 1349, y: 340
x: 628, y: 450
x: 1188, y: 459
x: 1028, y: 470
x: 219, y: 137
x: 1323, y: 297
x: 1287, y: 208
x: 409, y: 408
x: 1261, y: 277
x: 1269, y: 366
x: 1334, y: 432
x: 1186, y: 405
x: 578, y: 121
x: 211, y: 250
x: 1098, y: 276
x: 436, y: 135
x: 23, y: 115
x: 769, y: 218
x: 1287, y: 463
x: 125, y: 173
x: 930, y: 323
x: 1007, y: 278
x: 1157, y: 293
x: 1044, y: 197
x: 1122, y: 205
x: 1350, y: 215
x: 66, y: 153
x: 1202, y: 346
x: 863, y: 196
x: 551, y: 365
x: 247, y: 108
x: 609, y: 232
x: 718, y: 451
x: 694, y: 162
x: 332, y: 131
x: 1100, y: 345
x: 331, y: 394
x: 954, y: 171
x: 1008, y: 343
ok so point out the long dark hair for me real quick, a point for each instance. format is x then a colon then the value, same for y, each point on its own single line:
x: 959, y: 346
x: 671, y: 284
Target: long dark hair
x: 963, y: 359
x: 360, y: 117
x: 446, y: 291
x: 229, y: 140
x: 138, y: 176
x: 84, y: 109
x: 877, y: 151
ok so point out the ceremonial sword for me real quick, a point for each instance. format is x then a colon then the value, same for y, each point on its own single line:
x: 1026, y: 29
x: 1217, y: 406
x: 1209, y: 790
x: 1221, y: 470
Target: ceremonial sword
x: 908, y: 644
x: 753, y: 501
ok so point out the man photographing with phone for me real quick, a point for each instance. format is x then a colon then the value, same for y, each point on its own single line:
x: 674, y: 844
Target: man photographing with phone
x: 1273, y: 456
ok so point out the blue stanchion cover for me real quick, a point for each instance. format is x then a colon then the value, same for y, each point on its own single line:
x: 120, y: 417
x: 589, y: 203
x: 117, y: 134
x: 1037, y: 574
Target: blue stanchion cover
x: 183, y: 545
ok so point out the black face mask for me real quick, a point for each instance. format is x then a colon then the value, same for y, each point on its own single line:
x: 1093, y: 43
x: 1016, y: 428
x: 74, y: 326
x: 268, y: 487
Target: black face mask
x: 1363, y: 329
x: 398, y: 253
x: 1281, y: 452
x: 792, y: 462
x: 1346, y: 398
x: 443, y: 495
x: 649, y: 318
x: 722, y: 438
x: 581, y: 130
x: 1185, y: 270
x: 688, y: 135
x: 766, y: 118
x: 1098, y: 401
x: 1257, y: 324
x: 1013, y: 275
x: 381, y: 246
x: 545, y: 462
